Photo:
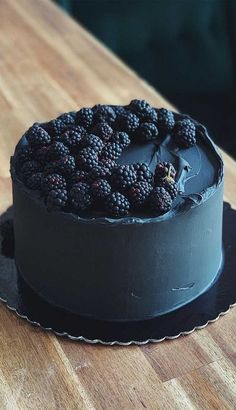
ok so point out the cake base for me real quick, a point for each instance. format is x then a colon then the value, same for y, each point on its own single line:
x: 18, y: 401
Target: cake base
x: 207, y: 308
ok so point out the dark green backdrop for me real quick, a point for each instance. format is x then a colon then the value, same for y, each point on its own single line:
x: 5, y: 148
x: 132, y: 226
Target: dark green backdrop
x: 185, y: 48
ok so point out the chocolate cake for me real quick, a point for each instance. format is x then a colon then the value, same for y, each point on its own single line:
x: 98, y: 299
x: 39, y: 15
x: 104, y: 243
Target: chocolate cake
x: 118, y: 211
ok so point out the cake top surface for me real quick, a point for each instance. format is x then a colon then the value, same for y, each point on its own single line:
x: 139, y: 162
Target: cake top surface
x: 118, y: 163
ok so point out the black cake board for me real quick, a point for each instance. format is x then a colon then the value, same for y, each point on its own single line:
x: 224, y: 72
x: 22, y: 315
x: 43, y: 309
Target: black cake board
x: 205, y: 309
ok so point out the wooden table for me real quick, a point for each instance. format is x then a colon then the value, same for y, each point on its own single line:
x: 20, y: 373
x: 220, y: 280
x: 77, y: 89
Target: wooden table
x: 49, y: 64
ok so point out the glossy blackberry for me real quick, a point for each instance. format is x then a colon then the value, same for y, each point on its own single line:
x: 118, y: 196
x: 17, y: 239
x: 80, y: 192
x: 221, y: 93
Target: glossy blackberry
x: 92, y: 141
x: 123, y: 176
x: 57, y: 200
x: 72, y: 139
x: 34, y: 181
x: 140, y: 107
x: 107, y: 163
x: 121, y: 138
x: 100, y: 189
x: 147, y: 132
x: 87, y: 158
x: 100, y: 171
x: 170, y: 186
x: 66, y: 165
x: 112, y: 151
x: 118, y: 109
x: 143, y: 172
x: 139, y: 193
x: 151, y: 116
x: 80, y: 176
x: 127, y: 122
x: 57, y: 150
x: 103, y: 130
x: 80, y: 195
x: 163, y: 169
x: 84, y: 117
x: 40, y: 155
x: 55, y: 128
x: 29, y: 168
x: 77, y: 128
x: 117, y: 205
x: 68, y: 119
x: 166, y: 119
x: 104, y: 113
x: 185, y: 133
x: 53, y: 182
x: 160, y: 200
x: 24, y: 154
x: 37, y: 137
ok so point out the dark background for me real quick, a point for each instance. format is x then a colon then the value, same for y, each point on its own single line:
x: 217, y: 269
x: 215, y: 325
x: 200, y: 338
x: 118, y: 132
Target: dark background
x: 184, y: 48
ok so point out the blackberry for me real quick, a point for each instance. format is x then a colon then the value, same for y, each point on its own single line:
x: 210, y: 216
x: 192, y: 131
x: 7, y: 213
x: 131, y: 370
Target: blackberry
x: 170, y: 186
x: 87, y: 159
x: 29, y: 168
x: 77, y: 128
x: 40, y: 155
x: 80, y: 176
x: 185, y: 133
x: 80, y: 195
x: 160, y: 200
x: 57, y: 199
x: 72, y: 139
x: 100, y: 171
x: 53, y: 182
x: 139, y: 193
x: 117, y: 205
x: 24, y: 154
x: 55, y: 128
x: 166, y: 119
x: 140, y: 107
x: 100, y: 189
x: 107, y: 163
x: 103, y: 130
x: 118, y: 109
x: 68, y: 119
x: 37, y: 137
x: 65, y: 165
x: 164, y: 169
x: 57, y: 150
x: 51, y: 168
x: 151, y: 116
x: 121, y: 138
x: 112, y: 151
x: 123, y: 176
x: 147, y: 132
x: 93, y: 142
x: 143, y: 172
x: 104, y: 113
x: 84, y: 117
x: 34, y: 181
x: 127, y: 122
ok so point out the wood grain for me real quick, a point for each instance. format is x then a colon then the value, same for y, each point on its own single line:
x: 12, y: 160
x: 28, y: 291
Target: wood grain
x: 49, y: 64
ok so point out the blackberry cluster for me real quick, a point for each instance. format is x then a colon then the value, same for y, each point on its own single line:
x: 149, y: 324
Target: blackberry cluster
x: 84, y: 117
x: 121, y: 138
x: 185, y: 133
x: 112, y: 151
x: 57, y: 199
x: 163, y: 169
x: 139, y: 193
x: 100, y: 189
x: 160, y: 200
x: 37, y: 136
x: 53, y: 182
x: 123, y: 176
x: 81, y: 198
x: 93, y: 142
x: 82, y: 160
x: 117, y: 205
x: 166, y: 120
x: 103, y: 130
x: 34, y: 181
x: 147, y: 132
